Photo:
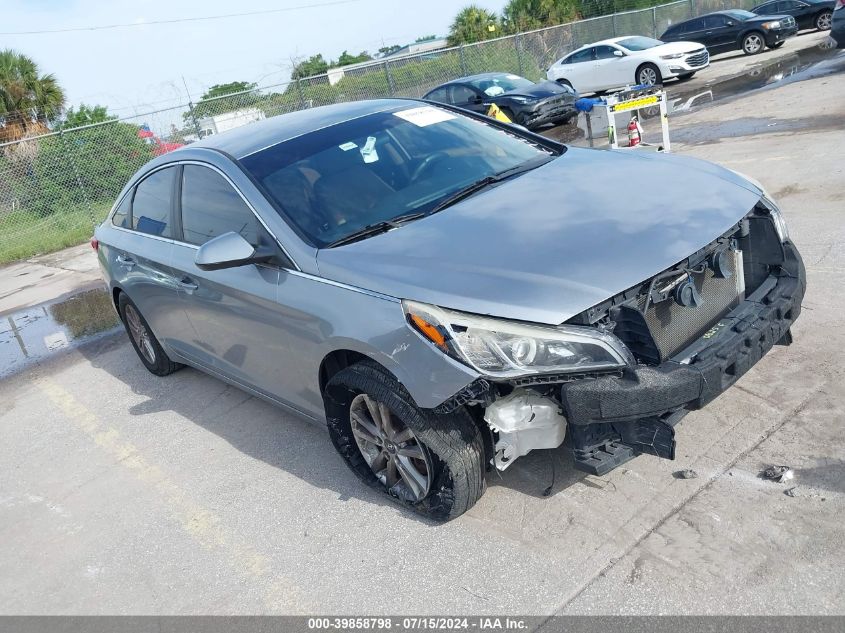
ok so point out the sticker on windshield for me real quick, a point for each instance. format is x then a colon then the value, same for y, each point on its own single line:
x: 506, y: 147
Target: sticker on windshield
x: 347, y: 146
x: 425, y: 115
x: 513, y: 77
x: 368, y: 151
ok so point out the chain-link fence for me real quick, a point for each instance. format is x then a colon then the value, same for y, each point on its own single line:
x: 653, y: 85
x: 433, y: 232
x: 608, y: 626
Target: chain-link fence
x: 55, y: 187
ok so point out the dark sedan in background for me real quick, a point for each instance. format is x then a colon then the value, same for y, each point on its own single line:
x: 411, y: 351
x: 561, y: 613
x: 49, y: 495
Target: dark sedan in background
x: 521, y: 100
x: 736, y: 29
x: 808, y: 14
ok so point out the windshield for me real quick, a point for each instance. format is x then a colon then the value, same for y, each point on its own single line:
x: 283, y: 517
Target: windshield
x: 500, y: 84
x: 740, y: 14
x: 639, y: 43
x: 333, y: 182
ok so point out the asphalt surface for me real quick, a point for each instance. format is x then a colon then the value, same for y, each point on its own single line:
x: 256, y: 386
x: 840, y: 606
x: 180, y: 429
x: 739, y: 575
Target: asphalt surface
x: 124, y: 493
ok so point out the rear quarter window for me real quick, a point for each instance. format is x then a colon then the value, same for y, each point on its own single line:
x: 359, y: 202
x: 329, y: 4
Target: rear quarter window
x: 121, y: 216
x: 151, y: 204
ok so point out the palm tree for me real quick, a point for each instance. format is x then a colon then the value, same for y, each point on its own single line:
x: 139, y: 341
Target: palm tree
x: 473, y: 24
x: 27, y: 100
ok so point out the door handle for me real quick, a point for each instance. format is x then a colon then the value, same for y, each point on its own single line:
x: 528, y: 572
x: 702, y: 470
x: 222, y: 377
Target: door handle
x: 187, y: 284
x: 123, y: 260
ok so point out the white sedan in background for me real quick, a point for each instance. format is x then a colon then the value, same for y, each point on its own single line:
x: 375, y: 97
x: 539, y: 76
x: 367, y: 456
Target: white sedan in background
x: 623, y: 61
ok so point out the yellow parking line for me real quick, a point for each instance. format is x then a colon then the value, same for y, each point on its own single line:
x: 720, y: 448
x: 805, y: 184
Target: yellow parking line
x: 282, y: 594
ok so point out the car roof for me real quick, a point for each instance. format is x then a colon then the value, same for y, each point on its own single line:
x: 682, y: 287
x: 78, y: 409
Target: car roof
x: 259, y: 135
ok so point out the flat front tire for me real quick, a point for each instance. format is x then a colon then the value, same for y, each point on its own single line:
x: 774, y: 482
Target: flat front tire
x: 146, y: 345
x: 431, y: 463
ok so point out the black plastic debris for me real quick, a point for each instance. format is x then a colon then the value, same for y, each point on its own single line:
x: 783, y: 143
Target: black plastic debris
x: 687, y: 473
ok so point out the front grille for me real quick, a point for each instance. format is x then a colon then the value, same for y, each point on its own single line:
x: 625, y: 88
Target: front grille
x: 698, y: 58
x: 673, y: 326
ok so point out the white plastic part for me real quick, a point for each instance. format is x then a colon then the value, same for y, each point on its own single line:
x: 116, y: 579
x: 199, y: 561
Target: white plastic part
x: 524, y: 420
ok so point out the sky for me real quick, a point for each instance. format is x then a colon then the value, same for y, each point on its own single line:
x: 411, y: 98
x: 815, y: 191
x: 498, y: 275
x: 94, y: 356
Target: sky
x: 139, y: 68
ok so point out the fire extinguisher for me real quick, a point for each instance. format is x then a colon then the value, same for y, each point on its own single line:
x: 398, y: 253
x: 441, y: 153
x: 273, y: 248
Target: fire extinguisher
x: 635, y: 132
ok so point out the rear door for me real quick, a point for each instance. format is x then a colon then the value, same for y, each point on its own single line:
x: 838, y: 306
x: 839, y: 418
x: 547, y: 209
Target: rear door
x: 237, y: 325
x: 722, y: 31
x: 577, y: 70
x: 140, y: 252
x: 695, y: 31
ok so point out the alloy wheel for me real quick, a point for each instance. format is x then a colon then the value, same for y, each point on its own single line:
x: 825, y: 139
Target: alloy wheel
x: 140, y: 334
x: 824, y: 21
x: 390, y: 449
x: 753, y: 43
x: 648, y: 76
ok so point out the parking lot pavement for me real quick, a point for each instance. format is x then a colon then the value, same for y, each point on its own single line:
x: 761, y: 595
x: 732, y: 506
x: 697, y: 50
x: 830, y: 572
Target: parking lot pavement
x: 126, y: 493
x: 48, y: 277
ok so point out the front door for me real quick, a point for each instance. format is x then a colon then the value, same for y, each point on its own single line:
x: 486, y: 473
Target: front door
x: 236, y: 325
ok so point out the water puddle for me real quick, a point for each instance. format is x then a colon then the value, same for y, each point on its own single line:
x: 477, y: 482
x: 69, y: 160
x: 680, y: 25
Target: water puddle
x: 33, y: 334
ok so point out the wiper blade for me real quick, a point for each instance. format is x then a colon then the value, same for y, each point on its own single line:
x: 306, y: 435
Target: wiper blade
x: 375, y: 228
x: 478, y: 185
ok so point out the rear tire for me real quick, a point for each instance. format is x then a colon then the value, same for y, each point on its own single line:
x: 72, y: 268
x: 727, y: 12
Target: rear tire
x: 564, y: 82
x: 648, y: 75
x: 449, y: 448
x: 146, y: 345
x: 753, y: 43
x: 824, y: 20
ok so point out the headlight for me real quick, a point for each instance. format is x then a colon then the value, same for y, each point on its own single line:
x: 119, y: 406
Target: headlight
x: 777, y: 217
x: 673, y: 56
x: 504, y: 349
x: 525, y: 100
x: 769, y: 203
x: 772, y: 25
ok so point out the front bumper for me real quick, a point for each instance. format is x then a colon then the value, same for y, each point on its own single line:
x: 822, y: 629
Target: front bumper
x: 779, y: 35
x: 543, y: 113
x: 614, y: 418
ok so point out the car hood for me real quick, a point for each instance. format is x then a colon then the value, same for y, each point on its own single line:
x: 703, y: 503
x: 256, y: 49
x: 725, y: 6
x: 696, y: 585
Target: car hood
x: 671, y: 48
x: 554, y: 241
x: 542, y: 90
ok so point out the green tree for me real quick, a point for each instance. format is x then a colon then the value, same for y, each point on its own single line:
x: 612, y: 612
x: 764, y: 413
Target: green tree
x: 346, y: 59
x: 388, y: 50
x: 29, y: 100
x: 526, y: 15
x: 215, y: 99
x: 85, y: 115
x: 314, y: 65
x: 473, y: 24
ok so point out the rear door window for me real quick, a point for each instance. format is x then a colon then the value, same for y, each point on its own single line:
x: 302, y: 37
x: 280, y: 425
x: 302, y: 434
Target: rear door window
x: 151, y: 204
x: 581, y: 56
x: 212, y: 207
x: 440, y: 95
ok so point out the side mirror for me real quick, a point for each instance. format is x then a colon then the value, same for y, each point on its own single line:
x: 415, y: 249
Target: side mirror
x: 476, y: 100
x: 730, y: 22
x: 618, y: 54
x: 230, y: 250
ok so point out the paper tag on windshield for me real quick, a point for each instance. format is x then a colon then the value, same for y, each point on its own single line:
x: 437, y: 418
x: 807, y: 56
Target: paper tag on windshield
x: 425, y: 115
x: 347, y: 146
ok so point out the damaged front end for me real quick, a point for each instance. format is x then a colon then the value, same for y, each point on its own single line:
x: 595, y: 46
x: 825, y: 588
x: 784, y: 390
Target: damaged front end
x: 619, y: 376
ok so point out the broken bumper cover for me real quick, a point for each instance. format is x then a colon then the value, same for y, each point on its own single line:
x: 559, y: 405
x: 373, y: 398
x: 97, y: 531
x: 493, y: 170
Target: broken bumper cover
x: 612, y: 419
